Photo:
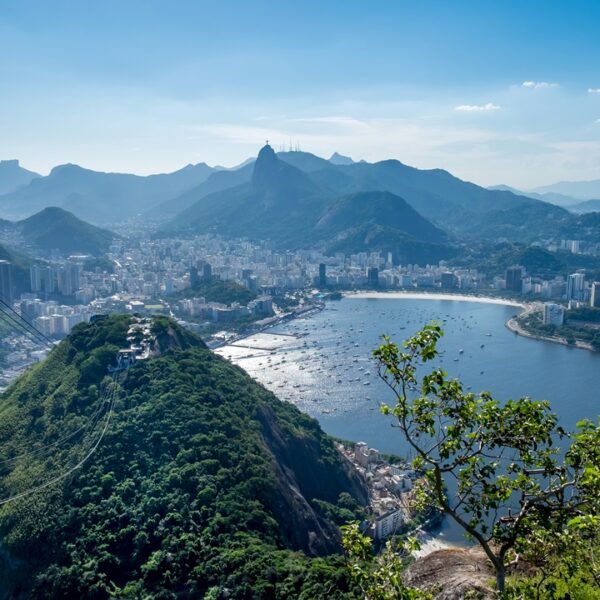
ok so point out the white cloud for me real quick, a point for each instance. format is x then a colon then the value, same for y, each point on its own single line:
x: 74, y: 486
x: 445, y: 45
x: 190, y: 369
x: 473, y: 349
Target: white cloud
x: 338, y: 121
x: 539, y: 85
x: 477, y: 107
x: 593, y: 90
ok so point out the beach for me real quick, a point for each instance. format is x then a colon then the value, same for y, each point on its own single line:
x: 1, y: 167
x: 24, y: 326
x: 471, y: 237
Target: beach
x: 433, y: 296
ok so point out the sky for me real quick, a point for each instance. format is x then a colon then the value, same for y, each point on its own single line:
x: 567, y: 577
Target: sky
x: 495, y: 92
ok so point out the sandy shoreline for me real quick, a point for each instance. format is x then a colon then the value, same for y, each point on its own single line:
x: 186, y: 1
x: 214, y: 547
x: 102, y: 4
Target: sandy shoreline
x: 512, y: 324
x: 433, y: 296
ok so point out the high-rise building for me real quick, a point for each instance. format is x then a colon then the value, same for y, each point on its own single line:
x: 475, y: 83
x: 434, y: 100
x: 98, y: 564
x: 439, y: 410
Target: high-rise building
x: 47, y: 279
x: 68, y: 279
x: 322, y: 275
x: 6, y: 281
x: 194, y: 277
x: 595, y: 295
x: 575, y: 286
x: 514, y: 279
x: 554, y: 314
x: 373, y: 276
x: 207, y: 272
x: 35, y: 277
x: 448, y: 280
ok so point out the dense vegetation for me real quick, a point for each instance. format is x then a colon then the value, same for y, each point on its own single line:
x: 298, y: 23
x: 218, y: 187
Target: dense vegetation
x: 404, y: 248
x: 205, y: 485
x: 54, y: 228
x: 494, y: 259
x: 218, y: 290
x: 189, y: 494
x: 517, y: 494
x: 296, y: 209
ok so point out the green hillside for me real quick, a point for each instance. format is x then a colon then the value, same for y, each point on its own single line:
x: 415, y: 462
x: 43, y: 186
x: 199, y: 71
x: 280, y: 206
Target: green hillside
x: 55, y: 228
x: 284, y: 203
x: 203, y: 481
x: 20, y: 269
x: 404, y: 248
x: 218, y: 290
x: 378, y: 208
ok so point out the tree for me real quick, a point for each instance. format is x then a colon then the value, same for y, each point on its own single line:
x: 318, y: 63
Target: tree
x: 502, y: 459
x: 378, y: 577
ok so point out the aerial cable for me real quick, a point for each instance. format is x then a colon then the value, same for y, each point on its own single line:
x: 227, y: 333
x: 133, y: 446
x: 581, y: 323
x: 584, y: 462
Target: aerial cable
x: 17, y: 323
x: 27, y: 323
x: 101, y: 403
x: 78, y: 465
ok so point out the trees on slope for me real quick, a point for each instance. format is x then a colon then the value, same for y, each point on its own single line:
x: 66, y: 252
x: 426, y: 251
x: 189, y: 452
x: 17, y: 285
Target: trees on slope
x: 508, y: 479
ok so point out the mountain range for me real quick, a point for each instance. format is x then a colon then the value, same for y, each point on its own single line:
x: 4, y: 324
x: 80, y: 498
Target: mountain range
x: 580, y: 190
x: 292, y: 208
x: 96, y: 196
x: 298, y: 199
x: 13, y: 176
x: 577, y: 197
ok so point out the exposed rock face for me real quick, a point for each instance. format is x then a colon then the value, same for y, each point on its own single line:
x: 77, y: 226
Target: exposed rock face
x: 265, y: 168
x: 453, y: 574
x: 305, y: 472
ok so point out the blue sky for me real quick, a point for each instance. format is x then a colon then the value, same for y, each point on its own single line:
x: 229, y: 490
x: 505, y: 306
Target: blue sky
x: 495, y: 92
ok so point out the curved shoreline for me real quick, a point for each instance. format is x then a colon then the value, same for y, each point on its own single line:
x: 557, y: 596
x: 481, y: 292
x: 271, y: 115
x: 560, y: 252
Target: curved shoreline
x: 434, y: 296
x: 512, y: 324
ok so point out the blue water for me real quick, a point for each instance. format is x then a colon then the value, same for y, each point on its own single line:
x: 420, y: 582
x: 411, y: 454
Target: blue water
x: 330, y: 374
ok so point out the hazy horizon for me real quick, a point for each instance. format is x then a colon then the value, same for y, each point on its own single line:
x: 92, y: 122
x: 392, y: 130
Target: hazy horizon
x: 495, y: 94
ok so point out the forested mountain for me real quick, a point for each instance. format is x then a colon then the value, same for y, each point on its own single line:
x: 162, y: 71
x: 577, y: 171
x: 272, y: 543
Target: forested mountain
x: 377, y: 208
x: 100, y: 197
x: 217, y: 181
x: 214, y: 196
x: 287, y: 205
x: 340, y: 159
x: 550, y: 197
x: 455, y: 205
x: 587, y: 206
x: 280, y: 203
x: 583, y: 227
x: 13, y: 176
x: 203, y: 481
x: 56, y: 229
x: 463, y: 209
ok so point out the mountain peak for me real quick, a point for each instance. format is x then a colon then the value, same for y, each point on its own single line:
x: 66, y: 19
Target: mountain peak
x: 265, y: 167
x: 65, y: 168
x: 13, y: 162
x: 340, y: 159
x: 13, y: 176
x: 266, y: 150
